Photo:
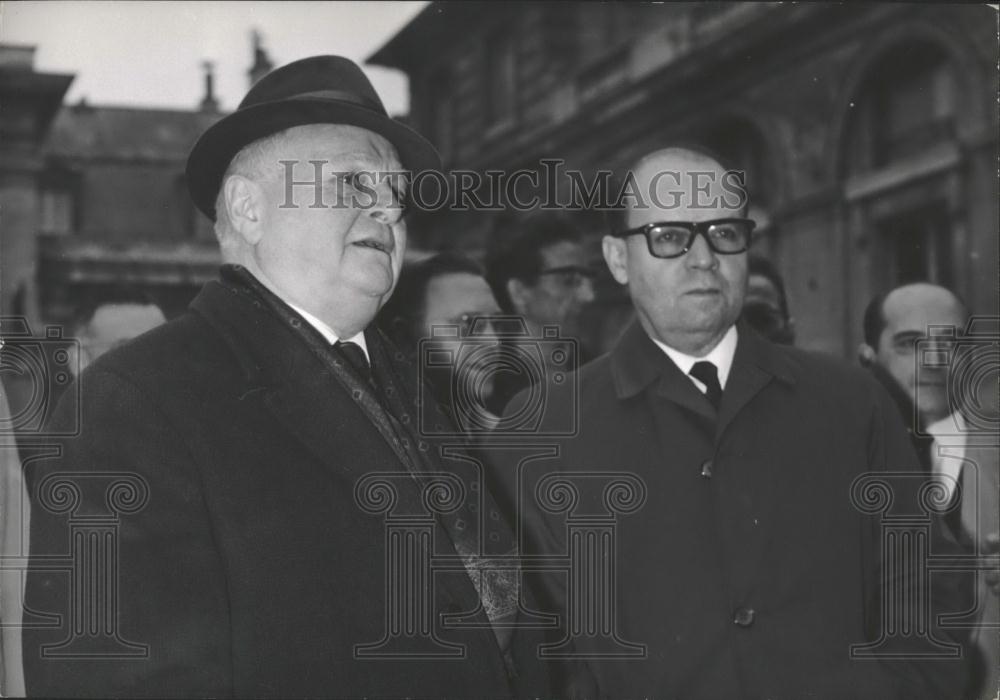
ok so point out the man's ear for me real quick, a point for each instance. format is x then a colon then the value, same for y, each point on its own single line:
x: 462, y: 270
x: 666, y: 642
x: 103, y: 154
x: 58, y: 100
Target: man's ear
x: 244, y: 202
x: 616, y: 256
x: 517, y: 290
x: 866, y: 355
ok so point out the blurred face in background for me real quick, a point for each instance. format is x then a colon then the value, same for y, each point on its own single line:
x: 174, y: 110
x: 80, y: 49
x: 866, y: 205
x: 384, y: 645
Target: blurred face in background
x: 762, y: 310
x: 560, y: 292
x: 909, y: 311
x: 458, y: 299
x: 113, y: 325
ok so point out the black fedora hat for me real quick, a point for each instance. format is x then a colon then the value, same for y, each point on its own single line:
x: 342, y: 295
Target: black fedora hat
x: 315, y: 90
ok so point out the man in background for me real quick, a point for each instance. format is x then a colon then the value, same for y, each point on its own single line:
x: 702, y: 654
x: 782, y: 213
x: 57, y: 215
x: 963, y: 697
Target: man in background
x: 448, y: 292
x: 541, y: 272
x: 112, y: 320
x: 893, y: 323
x: 766, y: 306
x: 953, y: 425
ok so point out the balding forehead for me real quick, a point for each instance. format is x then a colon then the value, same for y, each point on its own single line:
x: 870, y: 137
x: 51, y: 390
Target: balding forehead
x: 923, y: 294
x: 677, y: 158
x: 924, y: 303
x: 684, y: 184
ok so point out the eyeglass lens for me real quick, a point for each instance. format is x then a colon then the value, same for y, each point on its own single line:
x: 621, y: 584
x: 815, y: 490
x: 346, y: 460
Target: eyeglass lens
x: 671, y: 240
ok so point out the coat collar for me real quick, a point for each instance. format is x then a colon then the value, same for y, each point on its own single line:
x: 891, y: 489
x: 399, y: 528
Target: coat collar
x: 282, y: 359
x: 636, y: 363
x: 270, y: 339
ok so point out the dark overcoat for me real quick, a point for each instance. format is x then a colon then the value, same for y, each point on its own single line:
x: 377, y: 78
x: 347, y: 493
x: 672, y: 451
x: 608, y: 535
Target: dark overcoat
x: 251, y: 570
x: 739, y: 560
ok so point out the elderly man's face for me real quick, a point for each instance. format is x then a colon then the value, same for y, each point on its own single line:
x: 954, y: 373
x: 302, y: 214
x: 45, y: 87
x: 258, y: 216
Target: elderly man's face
x: 690, y: 301
x: 353, y: 245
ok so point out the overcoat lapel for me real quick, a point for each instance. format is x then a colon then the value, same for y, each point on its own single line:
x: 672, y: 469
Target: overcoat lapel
x: 636, y: 363
x: 318, y: 398
x: 752, y: 370
x: 300, y: 390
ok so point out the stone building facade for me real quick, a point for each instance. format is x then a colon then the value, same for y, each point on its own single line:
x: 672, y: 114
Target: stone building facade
x: 868, y: 133
x: 93, y: 198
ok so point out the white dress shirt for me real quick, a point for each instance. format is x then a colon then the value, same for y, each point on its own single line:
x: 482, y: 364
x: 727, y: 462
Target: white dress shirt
x: 721, y: 356
x: 319, y: 325
x: 948, y: 450
x: 327, y: 332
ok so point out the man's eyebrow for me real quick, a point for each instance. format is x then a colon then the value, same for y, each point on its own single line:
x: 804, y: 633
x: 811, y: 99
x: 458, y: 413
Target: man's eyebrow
x: 907, y: 335
x: 354, y: 155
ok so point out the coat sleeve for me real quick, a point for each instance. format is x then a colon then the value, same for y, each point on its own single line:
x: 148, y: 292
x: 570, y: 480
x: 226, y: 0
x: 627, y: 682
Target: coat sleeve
x: 915, y: 674
x: 124, y: 577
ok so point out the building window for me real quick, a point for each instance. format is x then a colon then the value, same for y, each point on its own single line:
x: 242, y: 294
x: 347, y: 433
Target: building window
x: 602, y: 28
x: 907, y: 106
x: 903, y: 166
x: 916, y: 245
x: 501, y: 78
x: 914, y: 110
x: 57, y: 211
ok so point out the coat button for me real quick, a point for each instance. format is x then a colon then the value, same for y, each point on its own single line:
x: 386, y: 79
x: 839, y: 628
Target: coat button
x: 706, y: 469
x: 744, y: 617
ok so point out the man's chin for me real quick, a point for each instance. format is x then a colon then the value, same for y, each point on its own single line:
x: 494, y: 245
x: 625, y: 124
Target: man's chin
x: 933, y: 411
x: 373, y: 280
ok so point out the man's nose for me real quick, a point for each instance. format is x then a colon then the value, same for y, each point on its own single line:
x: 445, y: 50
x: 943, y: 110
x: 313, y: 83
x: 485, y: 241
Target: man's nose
x: 701, y: 255
x: 585, y: 292
x: 386, y: 209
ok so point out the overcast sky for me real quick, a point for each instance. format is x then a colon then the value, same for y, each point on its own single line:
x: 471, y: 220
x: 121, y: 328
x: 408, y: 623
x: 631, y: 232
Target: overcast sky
x: 150, y: 53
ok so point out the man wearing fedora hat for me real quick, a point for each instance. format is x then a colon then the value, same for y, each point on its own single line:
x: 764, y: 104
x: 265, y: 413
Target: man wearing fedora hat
x: 269, y: 438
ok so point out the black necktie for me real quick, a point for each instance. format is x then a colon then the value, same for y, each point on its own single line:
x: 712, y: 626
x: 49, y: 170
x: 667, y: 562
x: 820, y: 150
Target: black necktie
x: 705, y: 372
x: 355, y: 357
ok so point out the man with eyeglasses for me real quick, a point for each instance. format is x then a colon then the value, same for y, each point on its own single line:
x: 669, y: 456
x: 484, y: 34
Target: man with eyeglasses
x: 747, y: 572
x: 541, y: 271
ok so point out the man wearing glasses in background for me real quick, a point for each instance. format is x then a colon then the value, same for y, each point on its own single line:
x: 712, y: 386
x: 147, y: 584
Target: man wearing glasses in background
x: 541, y: 272
x: 747, y: 572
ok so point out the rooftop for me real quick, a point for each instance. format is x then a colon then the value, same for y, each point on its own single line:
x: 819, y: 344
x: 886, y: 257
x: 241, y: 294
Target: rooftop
x: 127, y: 133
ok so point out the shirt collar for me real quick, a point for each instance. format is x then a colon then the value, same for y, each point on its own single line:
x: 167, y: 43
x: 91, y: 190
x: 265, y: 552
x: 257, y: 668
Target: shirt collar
x: 952, y: 427
x: 328, y: 332
x: 322, y: 328
x: 721, y: 356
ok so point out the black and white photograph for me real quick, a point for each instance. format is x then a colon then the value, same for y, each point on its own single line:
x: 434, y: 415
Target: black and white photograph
x: 500, y: 350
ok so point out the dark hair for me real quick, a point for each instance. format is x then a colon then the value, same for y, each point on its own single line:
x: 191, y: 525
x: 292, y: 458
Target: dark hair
x: 403, y: 314
x: 758, y: 265
x: 874, y: 321
x: 520, y: 257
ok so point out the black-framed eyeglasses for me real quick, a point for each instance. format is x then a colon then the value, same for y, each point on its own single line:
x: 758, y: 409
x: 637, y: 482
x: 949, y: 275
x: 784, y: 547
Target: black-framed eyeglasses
x: 672, y: 239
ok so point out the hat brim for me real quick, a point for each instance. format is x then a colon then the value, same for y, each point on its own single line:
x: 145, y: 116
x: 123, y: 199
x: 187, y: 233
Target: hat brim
x: 216, y: 148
